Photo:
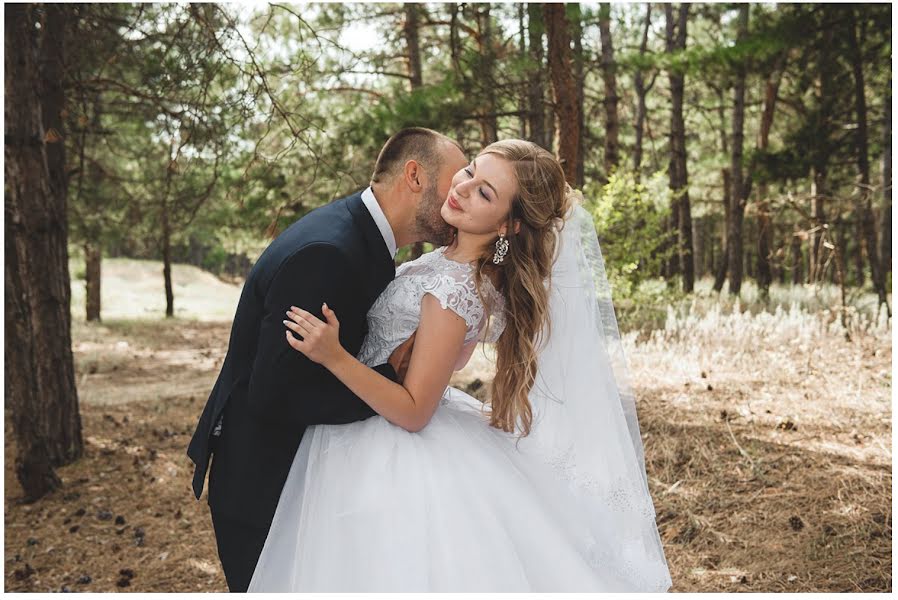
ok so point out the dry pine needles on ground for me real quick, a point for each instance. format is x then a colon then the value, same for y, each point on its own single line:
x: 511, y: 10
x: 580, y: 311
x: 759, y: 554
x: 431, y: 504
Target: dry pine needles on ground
x: 767, y: 442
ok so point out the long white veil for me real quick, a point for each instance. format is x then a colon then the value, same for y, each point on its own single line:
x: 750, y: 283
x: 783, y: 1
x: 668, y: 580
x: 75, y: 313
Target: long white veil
x: 584, y: 409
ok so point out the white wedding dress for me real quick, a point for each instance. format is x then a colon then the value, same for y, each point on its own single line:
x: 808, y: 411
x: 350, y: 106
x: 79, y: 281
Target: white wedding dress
x: 460, y: 506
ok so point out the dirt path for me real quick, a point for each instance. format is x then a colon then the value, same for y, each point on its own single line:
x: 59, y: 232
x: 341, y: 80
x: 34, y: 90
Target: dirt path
x: 769, y: 461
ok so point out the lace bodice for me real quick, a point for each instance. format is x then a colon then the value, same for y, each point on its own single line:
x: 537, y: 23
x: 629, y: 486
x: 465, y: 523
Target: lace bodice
x: 395, y: 314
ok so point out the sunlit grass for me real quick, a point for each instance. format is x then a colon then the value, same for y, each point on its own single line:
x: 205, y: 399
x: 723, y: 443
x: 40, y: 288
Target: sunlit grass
x: 649, y: 308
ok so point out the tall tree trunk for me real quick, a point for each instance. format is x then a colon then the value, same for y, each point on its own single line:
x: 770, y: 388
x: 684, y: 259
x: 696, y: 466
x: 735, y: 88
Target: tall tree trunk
x: 535, y: 89
x: 93, y: 257
x: 93, y: 249
x: 885, y: 237
x: 721, y: 272
x: 413, y: 48
x: 679, y: 179
x: 698, y: 237
x: 489, y: 123
x: 416, y: 79
x: 821, y: 152
x: 738, y: 196
x: 40, y: 383
x: 551, y: 119
x: 797, y: 258
x: 53, y: 310
x: 166, y: 261
x: 609, y: 78
x: 765, y: 223
x: 522, y: 94
x: 641, y: 93
x: 458, y: 72
x: 860, y: 275
x: 564, y: 88
x: 574, y: 19
x: 867, y: 224
x: 818, y: 220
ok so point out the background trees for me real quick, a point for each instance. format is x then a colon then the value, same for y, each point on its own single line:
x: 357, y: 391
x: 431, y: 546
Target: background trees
x: 718, y: 142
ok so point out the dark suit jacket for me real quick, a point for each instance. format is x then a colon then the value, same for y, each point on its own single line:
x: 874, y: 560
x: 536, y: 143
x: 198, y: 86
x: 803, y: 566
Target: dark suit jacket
x: 268, y: 392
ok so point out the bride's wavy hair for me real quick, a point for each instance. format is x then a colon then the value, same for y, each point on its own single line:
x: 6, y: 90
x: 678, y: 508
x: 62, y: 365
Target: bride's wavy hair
x: 542, y: 200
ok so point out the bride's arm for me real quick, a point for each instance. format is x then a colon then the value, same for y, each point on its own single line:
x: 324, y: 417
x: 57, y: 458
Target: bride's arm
x: 438, y: 342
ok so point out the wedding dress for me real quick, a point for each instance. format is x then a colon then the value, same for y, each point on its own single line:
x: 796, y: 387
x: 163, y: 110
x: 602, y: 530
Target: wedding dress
x: 462, y: 506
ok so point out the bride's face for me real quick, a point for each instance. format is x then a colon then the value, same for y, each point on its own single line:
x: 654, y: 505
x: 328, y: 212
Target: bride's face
x: 480, y: 196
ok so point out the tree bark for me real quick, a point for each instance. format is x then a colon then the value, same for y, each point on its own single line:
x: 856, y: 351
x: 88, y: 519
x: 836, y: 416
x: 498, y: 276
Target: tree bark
x: 820, y: 154
x: 698, y: 237
x: 522, y: 94
x: 738, y: 196
x: 885, y: 237
x: 489, y: 124
x: 818, y: 220
x: 609, y: 78
x: 52, y: 311
x: 416, y: 78
x: 535, y: 89
x: 678, y: 176
x: 564, y: 89
x: 641, y: 93
x: 765, y: 223
x: 92, y: 261
x: 166, y: 261
x: 458, y: 72
x: 797, y: 258
x: 413, y: 48
x: 40, y: 383
x: 857, y: 253
x: 867, y: 224
x: 93, y: 248
x: 721, y: 272
x: 576, y: 31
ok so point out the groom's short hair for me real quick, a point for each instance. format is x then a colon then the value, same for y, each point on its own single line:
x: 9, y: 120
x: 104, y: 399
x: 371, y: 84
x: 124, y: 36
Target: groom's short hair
x: 412, y: 143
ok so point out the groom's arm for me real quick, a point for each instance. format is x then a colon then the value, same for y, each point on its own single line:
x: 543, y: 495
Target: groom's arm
x: 284, y: 383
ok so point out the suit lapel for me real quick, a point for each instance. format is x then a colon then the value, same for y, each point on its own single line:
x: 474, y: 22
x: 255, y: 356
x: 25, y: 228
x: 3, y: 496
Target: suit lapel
x: 383, y: 268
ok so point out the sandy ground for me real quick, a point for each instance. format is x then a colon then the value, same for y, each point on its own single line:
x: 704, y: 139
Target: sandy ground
x: 768, y: 449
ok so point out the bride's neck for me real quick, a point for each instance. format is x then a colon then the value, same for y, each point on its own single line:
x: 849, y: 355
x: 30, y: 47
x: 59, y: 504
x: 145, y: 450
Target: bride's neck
x: 466, y: 247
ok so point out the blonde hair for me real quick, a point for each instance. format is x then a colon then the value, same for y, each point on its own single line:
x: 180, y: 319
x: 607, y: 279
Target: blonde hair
x: 541, y: 200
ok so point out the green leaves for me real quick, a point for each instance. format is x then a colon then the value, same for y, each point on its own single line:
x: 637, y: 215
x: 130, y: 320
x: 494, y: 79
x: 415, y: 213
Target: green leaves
x: 630, y: 220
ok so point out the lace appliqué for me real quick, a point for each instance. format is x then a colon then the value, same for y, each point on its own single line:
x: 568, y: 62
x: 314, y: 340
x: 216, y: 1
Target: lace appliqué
x: 633, y: 504
x: 622, y: 496
x: 396, y: 313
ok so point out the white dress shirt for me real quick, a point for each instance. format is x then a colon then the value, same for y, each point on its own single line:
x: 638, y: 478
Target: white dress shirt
x: 380, y: 219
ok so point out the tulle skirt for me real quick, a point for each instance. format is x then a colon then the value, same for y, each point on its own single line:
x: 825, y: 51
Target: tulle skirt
x: 456, y: 507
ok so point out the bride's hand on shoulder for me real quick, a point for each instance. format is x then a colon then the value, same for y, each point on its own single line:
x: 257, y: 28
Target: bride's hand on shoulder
x: 319, y: 341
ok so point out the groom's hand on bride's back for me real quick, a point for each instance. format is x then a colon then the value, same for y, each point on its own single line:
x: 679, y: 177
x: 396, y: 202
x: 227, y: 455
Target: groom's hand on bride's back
x: 400, y: 358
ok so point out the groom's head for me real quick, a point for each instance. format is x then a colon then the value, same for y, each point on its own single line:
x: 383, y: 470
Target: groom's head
x: 413, y: 174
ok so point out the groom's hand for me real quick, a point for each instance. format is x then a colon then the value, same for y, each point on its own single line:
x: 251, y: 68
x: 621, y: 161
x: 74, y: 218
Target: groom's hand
x: 400, y: 358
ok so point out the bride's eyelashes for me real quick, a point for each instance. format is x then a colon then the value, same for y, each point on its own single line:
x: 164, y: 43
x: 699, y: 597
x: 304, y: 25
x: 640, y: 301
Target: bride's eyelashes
x: 480, y: 189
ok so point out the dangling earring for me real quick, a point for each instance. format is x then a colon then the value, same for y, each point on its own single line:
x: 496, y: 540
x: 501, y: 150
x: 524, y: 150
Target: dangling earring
x: 501, y: 250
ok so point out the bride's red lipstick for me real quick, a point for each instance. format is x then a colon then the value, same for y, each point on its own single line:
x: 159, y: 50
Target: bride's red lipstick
x: 452, y: 203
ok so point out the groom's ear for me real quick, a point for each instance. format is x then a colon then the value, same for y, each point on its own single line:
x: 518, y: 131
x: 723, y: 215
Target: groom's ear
x: 414, y: 176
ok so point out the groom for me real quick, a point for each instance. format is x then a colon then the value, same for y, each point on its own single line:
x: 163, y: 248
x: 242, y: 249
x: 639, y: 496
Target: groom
x: 267, y: 393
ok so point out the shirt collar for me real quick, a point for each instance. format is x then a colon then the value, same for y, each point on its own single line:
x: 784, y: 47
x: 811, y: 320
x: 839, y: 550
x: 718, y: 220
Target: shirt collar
x: 380, y: 219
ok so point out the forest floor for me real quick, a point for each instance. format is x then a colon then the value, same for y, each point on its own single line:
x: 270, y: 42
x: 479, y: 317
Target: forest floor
x: 767, y: 441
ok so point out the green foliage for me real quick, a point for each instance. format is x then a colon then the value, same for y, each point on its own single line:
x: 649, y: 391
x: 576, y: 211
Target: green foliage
x: 281, y: 112
x: 434, y: 106
x: 630, y: 220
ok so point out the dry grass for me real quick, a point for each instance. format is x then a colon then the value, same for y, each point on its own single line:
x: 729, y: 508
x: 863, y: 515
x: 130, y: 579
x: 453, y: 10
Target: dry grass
x: 135, y: 289
x: 767, y: 441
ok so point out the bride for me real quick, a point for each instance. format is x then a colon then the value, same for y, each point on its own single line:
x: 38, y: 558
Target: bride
x: 542, y: 488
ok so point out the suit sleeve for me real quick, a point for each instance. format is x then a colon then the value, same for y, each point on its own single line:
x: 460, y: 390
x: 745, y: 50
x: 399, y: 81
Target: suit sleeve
x: 285, y: 385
